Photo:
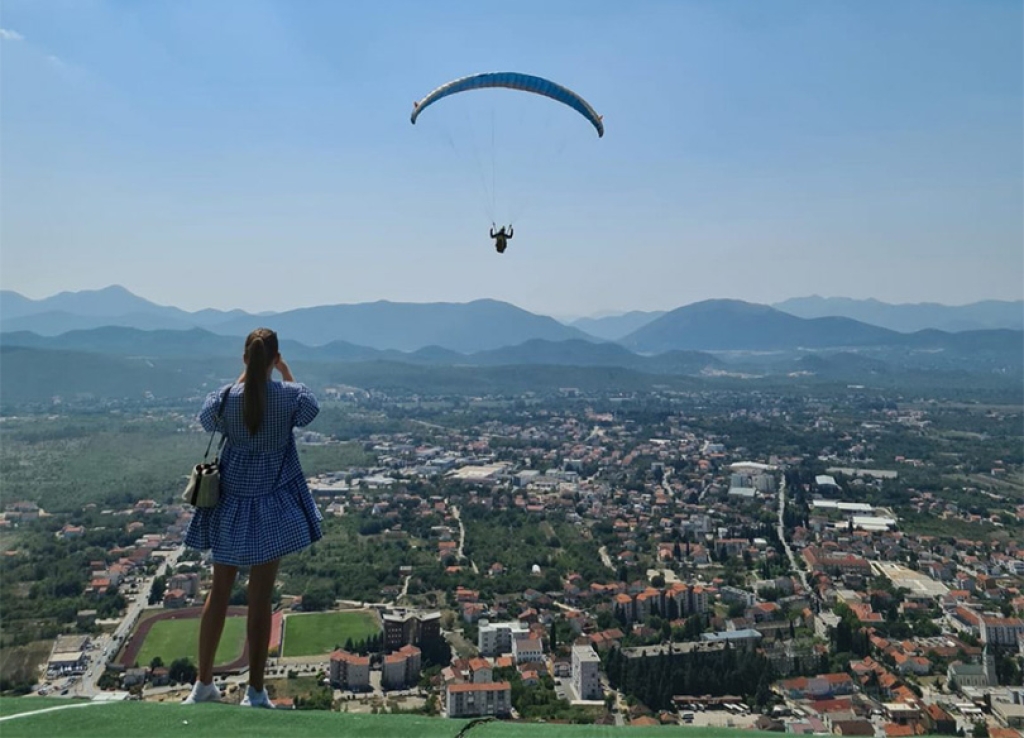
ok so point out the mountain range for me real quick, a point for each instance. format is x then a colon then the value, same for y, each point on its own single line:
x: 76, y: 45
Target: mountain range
x: 908, y: 318
x: 462, y: 345
x: 490, y: 324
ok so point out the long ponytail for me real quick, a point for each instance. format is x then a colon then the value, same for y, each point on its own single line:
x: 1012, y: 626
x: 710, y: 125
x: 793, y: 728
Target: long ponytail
x: 260, y: 349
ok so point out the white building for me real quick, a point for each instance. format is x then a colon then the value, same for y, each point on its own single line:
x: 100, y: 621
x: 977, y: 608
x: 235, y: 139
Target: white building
x: 469, y: 700
x: 1001, y: 631
x: 495, y: 639
x: 586, y: 681
x: 401, y: 668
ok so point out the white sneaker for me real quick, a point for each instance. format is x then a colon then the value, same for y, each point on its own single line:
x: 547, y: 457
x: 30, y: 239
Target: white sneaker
x: 202, y: 693
x: 257, y: 699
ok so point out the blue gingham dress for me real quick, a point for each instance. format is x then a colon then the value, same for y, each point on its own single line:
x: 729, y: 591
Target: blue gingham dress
x: 256, y: 519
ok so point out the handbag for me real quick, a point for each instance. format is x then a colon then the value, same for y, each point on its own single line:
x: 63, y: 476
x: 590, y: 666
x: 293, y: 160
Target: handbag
x: 203, y: 488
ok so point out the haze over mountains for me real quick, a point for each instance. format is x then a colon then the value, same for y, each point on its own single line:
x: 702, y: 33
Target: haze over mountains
x: 987, y: 314
x: 42, y: 339
x: 410, y: 326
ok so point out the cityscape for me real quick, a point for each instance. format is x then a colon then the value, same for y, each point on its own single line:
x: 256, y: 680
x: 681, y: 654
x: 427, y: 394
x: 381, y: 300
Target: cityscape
x: 529, y: 557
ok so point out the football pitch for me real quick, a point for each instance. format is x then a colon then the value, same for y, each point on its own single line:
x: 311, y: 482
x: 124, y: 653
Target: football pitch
x: 175, y: 639
x: 318, y: 633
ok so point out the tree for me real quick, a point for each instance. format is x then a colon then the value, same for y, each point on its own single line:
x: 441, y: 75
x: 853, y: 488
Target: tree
x: 980, y: 730
x: 239, y: 594
x: 317, y: 597
x: 156, y: 594
x: 156, y: 663
x: 183, y: 671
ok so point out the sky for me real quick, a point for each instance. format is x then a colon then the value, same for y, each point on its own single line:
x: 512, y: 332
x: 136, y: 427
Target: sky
x: 259, y: 155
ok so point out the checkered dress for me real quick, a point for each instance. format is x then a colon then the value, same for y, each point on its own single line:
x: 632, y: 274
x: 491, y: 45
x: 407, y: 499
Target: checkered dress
x: 265, y: 509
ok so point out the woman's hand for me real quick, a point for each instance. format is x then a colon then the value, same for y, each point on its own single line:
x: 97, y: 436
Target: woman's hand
x: 282, y: 366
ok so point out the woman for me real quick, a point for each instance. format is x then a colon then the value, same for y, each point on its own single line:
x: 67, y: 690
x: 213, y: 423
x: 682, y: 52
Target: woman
x: 265, y: 509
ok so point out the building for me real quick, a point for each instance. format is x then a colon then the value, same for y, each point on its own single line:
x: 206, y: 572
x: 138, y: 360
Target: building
x: 134, y: 677
x: 420, y: 629
x: 527, y: 650
x: 962, y: 675
x: 831, y: 562
x: 494, y: 639
x: 1009, y: 706
x: 480, y: 671
x: 350, y: 671
x: 746, y: 638
x: 1004, y: 632
x: 938, y: 720
x: 85, y: 618
x: 174, y: 599
x: 401, y: 669
x: 585, y: 676
x: 472, y: 700
x: 187, y: 583
x: 68, y: 655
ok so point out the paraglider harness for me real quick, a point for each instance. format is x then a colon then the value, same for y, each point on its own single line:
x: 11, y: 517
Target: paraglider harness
x: 501, y: 238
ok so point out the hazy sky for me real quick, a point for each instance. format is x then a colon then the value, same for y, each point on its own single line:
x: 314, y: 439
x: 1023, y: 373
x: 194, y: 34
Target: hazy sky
x: 259, y: 154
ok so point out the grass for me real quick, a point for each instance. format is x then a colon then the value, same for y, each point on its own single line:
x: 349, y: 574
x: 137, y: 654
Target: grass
x: 298, y: 687
x: 319, y: 633
x: 175, y: 639
x: 15, y: 705
x: 216, y: 721
x: 23, y: 662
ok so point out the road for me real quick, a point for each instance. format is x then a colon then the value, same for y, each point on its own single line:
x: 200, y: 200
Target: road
x: 782, y: 535
x: 105, y: 647
x: 605, y: 558
x: 462, y: 539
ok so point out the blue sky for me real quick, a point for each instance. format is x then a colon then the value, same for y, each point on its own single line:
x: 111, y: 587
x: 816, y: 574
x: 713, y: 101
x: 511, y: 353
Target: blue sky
x: 259, y: 154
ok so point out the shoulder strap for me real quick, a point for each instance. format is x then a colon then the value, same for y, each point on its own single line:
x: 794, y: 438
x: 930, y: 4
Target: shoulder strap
x: 218, y: 425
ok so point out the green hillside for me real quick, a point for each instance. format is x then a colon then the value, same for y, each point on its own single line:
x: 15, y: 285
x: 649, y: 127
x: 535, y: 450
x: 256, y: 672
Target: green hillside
x: 155, y: 720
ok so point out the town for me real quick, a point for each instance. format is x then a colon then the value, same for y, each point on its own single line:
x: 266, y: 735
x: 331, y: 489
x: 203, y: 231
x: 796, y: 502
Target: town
x: 764, y: 560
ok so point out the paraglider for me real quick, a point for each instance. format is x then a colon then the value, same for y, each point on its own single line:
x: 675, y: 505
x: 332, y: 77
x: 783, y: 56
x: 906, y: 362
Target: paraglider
x: 501, y: 238
x: 514, y: 81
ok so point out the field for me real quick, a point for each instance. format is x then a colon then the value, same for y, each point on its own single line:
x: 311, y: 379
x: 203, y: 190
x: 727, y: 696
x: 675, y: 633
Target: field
x: 21, y: 663
x: 320, y: 633
x: 199, y: 721
x: 174, y: 639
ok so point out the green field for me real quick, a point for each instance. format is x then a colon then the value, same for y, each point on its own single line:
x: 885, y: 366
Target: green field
x: 32, y: 703
x: 320, y: 632
x: 216, y: 721
x: 175, y: 639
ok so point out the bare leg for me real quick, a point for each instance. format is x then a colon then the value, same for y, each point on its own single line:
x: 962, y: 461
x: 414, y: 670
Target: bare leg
x: 261, y: 587
x: 214, y: 612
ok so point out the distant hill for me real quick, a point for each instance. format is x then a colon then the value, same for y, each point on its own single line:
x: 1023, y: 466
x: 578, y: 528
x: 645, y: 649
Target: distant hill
x: 614, y: 327
x: 30, y: 375
x: 730, y: 325
x: 464, y: 327
x: 110, y: 306
x: 197, y: 343
x: 910, y: 317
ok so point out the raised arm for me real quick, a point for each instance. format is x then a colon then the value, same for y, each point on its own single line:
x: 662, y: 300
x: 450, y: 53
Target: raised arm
x: 510, y: 231
x: 493, y: 234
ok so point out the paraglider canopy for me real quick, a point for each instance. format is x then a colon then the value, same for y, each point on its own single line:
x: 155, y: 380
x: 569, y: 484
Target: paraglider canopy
x: 514, y: 81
